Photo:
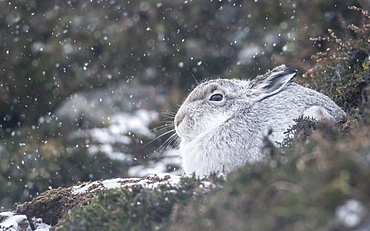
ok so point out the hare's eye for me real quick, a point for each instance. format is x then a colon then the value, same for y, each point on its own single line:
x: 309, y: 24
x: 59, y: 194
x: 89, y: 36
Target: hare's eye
x: 216, y: 97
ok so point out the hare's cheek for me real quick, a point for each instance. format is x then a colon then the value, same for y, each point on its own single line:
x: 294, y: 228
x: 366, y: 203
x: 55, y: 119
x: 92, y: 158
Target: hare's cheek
x: 215, y: 120
x: 190, y: 125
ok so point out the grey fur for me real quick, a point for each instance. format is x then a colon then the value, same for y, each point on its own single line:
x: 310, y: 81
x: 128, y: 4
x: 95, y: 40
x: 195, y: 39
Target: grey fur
x: 218, y: 136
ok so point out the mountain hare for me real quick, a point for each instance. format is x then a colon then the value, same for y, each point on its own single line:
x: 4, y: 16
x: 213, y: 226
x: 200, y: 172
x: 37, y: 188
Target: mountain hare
x: 222, y: 122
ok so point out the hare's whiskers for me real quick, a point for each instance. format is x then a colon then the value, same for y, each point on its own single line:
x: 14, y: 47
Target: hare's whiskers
x: 158, y: 137
x: 168, y: 142
x: 162, y: 127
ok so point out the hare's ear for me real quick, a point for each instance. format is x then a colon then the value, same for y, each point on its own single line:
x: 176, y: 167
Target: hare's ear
x: 273, y: 81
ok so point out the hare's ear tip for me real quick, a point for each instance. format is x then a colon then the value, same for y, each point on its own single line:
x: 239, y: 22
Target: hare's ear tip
x: 286, y: 70
x: 292, y: 71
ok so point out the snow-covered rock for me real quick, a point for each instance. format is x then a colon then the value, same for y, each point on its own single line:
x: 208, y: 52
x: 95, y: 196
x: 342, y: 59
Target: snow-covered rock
x: 11, y: 221
x: 148, y: 182
x: 46, y: 210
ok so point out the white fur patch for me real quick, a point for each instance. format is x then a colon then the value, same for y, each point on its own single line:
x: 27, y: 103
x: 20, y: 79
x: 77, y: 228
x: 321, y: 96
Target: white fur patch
x: 318, y: 113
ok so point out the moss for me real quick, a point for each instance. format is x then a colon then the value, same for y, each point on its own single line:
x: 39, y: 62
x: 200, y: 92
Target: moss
x: 135, y: 208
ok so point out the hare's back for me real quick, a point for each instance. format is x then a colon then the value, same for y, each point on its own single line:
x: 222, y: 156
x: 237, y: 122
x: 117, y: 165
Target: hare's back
x: 314, y: 104
x: 277, y: 113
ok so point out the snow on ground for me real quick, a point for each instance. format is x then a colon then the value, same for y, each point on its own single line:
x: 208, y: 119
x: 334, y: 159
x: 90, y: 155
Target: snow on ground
x: 13, y: 222
x: 39, y: 225
x: 148, y: 182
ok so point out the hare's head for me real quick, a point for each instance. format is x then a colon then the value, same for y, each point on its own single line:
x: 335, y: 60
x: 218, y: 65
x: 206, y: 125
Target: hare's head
x: 214, y: 102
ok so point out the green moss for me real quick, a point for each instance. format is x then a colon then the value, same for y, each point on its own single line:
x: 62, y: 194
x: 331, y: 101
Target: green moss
x: 135, y: 208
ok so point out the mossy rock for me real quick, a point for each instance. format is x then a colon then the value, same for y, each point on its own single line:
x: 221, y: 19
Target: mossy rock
x: 115, y: 204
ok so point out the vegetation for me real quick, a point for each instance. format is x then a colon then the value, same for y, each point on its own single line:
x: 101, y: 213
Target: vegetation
x: 305, y: 185
x: 345, y: 66
x: 85, y: 46
x: 50, y: 50
x: 135, y: 208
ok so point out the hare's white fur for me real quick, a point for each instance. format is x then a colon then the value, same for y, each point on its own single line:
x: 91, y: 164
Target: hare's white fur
x: 220, y: 135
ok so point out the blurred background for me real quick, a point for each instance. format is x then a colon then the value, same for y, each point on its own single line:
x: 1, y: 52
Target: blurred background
x: 87, y: 86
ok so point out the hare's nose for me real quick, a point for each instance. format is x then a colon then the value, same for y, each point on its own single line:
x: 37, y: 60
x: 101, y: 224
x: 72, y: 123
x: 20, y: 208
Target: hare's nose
x: 178, y: 119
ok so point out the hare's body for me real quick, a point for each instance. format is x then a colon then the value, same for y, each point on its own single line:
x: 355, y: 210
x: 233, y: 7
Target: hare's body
x: 222, y: 123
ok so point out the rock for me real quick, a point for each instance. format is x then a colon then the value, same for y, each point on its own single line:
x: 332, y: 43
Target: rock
x: 54, y: 205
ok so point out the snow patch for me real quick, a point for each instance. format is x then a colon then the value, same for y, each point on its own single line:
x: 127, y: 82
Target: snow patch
x: 39, y: 225
x: 14, y: 222
x: 150, y: 182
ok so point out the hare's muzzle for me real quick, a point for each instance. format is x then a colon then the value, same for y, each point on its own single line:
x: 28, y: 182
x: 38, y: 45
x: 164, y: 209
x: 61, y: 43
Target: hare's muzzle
x: 177, y: 123
x: 178, y: 119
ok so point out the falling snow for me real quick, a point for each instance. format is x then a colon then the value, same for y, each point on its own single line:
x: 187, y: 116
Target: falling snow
x: 81, y: 97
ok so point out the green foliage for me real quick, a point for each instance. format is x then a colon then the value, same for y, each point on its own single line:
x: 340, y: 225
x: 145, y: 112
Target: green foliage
x: 135, y: 208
